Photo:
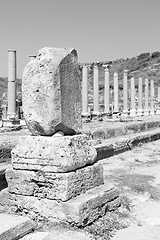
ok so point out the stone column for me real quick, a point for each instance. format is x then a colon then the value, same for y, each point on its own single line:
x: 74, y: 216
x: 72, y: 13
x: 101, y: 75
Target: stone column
x: 106, y: 90
x: 32, y: 57
x: 133, y: 108
x: 158, y: 109
x: 115, y: 80
x: 140, y: 109
x: 85, y: 113
x: 96, y: 112
x: 146, y: 107
x: 125, y: 94
x: 152, y: 96
x: 11, y: 84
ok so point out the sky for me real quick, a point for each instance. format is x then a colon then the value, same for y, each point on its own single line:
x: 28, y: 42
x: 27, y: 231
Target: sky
x: 100, y: 30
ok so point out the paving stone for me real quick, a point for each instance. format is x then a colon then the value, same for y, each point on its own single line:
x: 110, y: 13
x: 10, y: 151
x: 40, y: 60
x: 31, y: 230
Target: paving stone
x: 13, y: 227
x: 59, y: 235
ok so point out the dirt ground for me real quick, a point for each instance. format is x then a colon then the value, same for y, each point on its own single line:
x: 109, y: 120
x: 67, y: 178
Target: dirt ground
x: 137, y: 174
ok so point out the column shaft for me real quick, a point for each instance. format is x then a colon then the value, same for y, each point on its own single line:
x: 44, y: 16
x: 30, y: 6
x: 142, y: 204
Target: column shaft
x: 106, y: 91
x: 116, y: 107
x: 85, y: 91
x: 133, y: 108
x: 146, y: 108
x: 152, y: 96
x: 125, y: 94
x: 96, y: 91
x: 140, y: 109
x: 11, y: 84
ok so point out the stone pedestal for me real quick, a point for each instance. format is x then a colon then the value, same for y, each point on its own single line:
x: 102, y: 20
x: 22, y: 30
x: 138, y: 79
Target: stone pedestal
x: 106, y: 91
x: 58, y: 178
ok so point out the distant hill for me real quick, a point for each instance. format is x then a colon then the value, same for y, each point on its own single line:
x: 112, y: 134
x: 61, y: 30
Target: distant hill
x: 145, y: 65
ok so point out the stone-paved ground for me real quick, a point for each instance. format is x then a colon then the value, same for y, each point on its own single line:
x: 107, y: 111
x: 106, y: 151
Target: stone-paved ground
x: 137, y: 174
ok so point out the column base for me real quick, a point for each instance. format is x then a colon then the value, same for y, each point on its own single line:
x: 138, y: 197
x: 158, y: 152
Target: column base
x: 96, y: 116
x: 133, y: 113
x: 158, y: 112
x: 125, y: 113
x: 115, y: 115
x: 86, y: 117
x: 10, y: 123
x: 146, y: 112
x: 11, y: 116
x: 139, y: 112
x: 152, y: 112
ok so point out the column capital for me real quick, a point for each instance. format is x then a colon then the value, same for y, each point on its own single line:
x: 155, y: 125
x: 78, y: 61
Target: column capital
x: 85, y: 66
x: 95, y: 66
x: 106, y: 67
x: 12, y: 50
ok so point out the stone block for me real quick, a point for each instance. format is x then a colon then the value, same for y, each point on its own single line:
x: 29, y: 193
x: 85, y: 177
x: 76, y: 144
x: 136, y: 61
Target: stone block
x: 86, y: 208
x: 51, y: 92
x: 59, y: 186
x: 81, y: 210
x: 14, y: 227
x: 53, y: 154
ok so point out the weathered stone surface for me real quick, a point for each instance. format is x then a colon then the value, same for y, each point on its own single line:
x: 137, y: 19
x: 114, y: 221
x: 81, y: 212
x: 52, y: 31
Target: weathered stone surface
x: 81, y: 210
x: 53, y: 154
x: 86, y: 208
x: 60, y: 234
x: 14, y: 227
x: 60, y: 186
x: 51, y: 92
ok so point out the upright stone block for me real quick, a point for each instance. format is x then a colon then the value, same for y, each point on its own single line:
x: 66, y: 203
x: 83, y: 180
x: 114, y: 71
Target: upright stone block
x: 51, y: 93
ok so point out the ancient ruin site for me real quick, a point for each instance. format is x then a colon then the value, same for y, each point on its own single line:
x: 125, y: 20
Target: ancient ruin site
x: 79, y: 120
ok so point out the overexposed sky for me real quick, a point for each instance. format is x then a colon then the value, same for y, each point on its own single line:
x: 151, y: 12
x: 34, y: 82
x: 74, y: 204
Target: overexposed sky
x: 98, y: 29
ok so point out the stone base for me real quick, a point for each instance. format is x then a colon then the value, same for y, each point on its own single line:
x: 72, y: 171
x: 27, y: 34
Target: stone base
x: 140, y: 112
x: 10, y: 123
x: 96, y: 116
x: 81, y: 210
x: 86, y: 117
x: 56, y: 186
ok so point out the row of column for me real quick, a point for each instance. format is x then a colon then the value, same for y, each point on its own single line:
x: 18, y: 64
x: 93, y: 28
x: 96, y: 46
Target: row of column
x: 12, y: 69
x: 133, y: 112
